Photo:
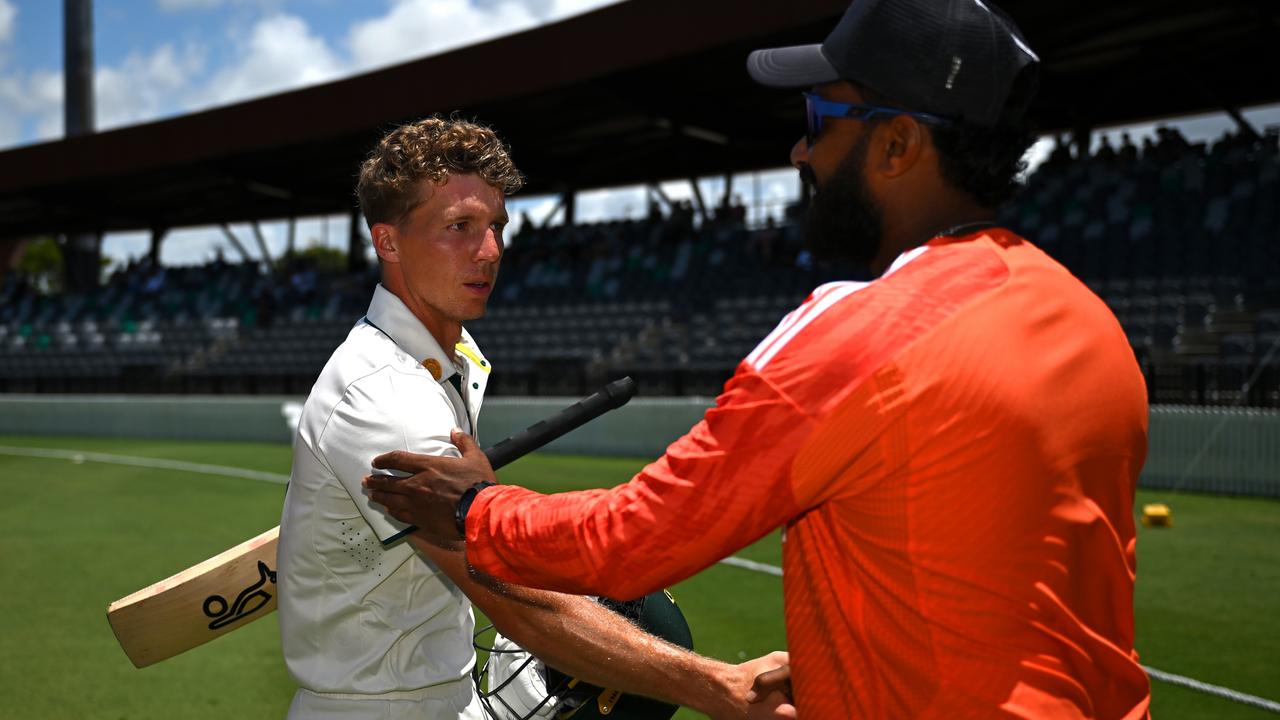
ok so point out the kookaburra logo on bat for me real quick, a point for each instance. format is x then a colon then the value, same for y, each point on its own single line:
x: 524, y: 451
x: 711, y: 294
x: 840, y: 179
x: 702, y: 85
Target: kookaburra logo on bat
x: 250, y: 600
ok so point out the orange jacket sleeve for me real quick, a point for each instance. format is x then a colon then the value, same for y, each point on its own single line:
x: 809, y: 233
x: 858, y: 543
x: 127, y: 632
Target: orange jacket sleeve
x: 719, y: 488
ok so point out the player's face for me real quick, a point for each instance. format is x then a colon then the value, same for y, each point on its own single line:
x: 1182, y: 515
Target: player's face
x: 818, y: 162
x: 844, y: 221
x: 448, y: 249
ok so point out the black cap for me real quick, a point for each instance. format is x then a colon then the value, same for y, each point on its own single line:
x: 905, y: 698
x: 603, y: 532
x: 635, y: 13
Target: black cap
x: 961, y: 59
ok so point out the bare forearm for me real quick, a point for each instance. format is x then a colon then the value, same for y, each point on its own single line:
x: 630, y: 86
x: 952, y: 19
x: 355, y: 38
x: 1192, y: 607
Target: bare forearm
x: 583, y: 639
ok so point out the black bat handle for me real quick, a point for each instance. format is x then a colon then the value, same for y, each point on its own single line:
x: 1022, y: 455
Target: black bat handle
x: 610, y: 397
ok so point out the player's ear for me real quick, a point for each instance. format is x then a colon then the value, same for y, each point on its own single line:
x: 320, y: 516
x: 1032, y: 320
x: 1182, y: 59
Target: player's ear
x: 902, y: 143
x: 386, y: 241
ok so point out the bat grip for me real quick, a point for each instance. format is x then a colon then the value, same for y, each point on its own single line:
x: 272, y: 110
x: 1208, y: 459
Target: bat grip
x: 610, y: 397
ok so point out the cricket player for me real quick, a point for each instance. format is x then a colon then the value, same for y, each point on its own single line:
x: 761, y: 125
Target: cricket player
x: 372, y: 625
x: 951, y: 448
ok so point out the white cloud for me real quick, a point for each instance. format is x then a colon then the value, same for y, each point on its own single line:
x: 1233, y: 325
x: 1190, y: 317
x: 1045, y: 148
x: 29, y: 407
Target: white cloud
x: 32, y: 93
x: 45, y: 99
x: 140, y: 88
x: 145, y: 87
x: 547, y: 10
x: 33, y: 99
x: 277, y: 53
x: 564, y: 8
x: 417, y: 28
x: 281, y: 53
x: 180, y: 5
x: 177, y: 6
x: 10, y: 131
x: 8, y: 19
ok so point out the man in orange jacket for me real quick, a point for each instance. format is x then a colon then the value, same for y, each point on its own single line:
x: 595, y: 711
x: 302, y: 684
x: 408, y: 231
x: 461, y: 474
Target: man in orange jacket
x: 951, y: 448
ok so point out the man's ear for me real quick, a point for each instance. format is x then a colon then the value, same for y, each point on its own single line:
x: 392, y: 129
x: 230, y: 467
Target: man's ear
x: 386, y: 241
x: 902, y: 143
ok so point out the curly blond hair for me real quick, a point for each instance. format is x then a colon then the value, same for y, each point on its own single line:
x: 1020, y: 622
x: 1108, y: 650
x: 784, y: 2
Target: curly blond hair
x: 429, y: 149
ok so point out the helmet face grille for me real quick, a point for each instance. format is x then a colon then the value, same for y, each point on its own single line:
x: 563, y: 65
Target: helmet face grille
x: 514, y: 685
x: 632, y: 610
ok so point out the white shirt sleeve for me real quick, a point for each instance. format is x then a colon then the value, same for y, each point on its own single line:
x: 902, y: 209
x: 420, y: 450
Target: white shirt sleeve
x: 387, y: 410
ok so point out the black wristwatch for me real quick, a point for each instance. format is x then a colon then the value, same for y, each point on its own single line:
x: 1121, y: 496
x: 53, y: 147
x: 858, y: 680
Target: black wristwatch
x: 464, y: 505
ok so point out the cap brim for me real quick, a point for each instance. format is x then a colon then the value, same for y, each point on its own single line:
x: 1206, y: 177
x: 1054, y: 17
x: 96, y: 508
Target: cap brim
x: 791, y: 67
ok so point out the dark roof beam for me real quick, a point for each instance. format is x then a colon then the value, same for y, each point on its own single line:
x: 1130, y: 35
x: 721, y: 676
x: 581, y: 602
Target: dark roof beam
x: 693, y: 131
x: 262, y: 243
x: 235, y: 242
x: 697, y: 199
x: 272, y: 191
x: 158, y: 235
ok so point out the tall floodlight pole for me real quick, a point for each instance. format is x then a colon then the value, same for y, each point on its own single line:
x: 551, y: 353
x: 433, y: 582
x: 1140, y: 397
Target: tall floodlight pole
x: 78, y: 66
x: 81, y: 251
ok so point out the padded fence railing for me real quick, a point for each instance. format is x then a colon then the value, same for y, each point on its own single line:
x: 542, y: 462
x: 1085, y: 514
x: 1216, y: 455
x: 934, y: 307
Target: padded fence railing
x: 1232, y: 451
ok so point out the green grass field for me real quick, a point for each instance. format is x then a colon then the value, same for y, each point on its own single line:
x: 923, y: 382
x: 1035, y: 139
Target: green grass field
x: 75, y: 536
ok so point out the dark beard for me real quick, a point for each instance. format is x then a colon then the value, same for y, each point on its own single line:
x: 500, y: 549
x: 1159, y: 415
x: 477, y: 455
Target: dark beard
x: 844, y: 222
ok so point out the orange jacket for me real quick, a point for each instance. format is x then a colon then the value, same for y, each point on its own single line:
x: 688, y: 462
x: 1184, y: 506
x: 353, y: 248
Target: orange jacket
x: 953, y: 449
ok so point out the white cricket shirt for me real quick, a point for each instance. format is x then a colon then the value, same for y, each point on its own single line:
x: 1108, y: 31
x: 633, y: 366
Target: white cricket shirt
x: 372, y: 630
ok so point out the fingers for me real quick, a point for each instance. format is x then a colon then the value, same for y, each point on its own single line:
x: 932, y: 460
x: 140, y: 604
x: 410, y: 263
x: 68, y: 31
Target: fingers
x: 404, y: 461
x: 772, y: 707
x: 775, y: 680
x: 414, y: 463
x: 396, y: 505
x: 385, y: 485
x: 465, y: 443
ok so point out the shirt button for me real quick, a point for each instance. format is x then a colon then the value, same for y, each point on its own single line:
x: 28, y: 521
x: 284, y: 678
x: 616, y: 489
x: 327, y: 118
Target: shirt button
x: 475, y: 386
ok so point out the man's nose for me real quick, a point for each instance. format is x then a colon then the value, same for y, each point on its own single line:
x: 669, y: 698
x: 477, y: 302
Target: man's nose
x: 800, y: 153
x: 490, y: 247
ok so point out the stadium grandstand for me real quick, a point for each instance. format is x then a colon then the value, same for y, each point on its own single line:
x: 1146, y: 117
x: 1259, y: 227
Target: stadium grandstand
x: 1179, y: 238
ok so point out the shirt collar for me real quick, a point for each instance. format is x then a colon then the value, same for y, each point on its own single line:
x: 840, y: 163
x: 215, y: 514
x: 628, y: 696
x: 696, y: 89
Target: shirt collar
x: 905, y: 258
x: 468, y: 349
x: 390, y: 315
x: 946, y: 239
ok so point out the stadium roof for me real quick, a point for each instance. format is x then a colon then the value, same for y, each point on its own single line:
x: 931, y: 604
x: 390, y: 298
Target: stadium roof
x: 635, y: 92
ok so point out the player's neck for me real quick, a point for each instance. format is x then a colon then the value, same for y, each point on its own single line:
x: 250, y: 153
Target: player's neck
x: 940, y: 215
x: 445, y: 330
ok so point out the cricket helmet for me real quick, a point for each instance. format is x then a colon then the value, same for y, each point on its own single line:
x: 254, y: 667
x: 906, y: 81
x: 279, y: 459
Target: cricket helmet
x: 514, y: 685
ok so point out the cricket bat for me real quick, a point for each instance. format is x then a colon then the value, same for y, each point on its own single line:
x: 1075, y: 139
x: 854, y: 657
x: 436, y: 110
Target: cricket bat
x: 238, y: 586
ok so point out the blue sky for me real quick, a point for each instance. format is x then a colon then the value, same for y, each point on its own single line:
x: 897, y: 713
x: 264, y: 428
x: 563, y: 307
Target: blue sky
x: 159, y: 58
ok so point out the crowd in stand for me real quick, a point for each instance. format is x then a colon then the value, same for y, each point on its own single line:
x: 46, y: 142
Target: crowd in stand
x: 1179, y: 238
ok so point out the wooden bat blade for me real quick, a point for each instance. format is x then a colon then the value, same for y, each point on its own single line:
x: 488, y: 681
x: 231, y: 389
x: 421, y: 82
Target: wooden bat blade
x: 229, y: 590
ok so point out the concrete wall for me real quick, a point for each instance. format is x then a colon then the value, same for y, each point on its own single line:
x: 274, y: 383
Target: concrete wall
x: 1224, y: 450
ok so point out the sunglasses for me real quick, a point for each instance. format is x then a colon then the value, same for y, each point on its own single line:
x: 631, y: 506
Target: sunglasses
x: 817, y: 107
